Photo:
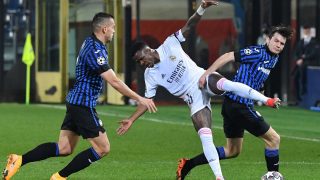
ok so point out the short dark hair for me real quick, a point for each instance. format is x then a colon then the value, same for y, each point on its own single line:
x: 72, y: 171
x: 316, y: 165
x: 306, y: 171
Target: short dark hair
x: 285, y: 31
x: 306, y: 26
x: 137, y: 46
x: 99, y: 18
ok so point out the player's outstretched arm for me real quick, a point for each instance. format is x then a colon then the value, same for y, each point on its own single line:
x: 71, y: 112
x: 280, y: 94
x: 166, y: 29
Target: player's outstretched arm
x: 121, y: 87
x: 127, y: 123
x: 195, y: 18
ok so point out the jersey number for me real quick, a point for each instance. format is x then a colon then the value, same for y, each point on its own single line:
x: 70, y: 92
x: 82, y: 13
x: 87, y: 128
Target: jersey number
x: 189, y: 99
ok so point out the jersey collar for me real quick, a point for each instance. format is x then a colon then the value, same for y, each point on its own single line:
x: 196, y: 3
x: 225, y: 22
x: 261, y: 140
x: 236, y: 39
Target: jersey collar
x: 94, y: 37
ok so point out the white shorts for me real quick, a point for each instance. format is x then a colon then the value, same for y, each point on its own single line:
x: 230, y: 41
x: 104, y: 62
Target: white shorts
x: 197, y: 99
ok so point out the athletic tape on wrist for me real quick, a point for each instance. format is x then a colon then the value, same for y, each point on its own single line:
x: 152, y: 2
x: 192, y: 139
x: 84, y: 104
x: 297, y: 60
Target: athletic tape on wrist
x: 201, y: 10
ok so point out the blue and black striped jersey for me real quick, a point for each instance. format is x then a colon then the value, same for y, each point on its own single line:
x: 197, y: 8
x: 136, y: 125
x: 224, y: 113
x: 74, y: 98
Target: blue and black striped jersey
x: 255, y: 65
x: 91, y: 62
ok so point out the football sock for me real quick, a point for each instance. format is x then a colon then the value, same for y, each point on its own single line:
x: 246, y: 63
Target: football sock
x: 41, y: 152
x: 80, y: 161
x: 222, y: 154
x: 210, y: 150
x: 240, y: 90
x: 272, y: 159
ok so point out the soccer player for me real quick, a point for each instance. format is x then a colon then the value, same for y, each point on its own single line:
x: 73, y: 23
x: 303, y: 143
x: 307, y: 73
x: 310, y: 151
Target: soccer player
x: 81, y: 118
x: 238, y: 113
x: 170, y: 67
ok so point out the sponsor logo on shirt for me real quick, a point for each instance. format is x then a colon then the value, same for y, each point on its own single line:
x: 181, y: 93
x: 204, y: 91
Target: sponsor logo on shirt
x: 264, y: 70
x: 177, y: 73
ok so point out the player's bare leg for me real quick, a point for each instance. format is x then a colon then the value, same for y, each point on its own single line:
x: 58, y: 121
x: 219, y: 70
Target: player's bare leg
x: 100, y: 147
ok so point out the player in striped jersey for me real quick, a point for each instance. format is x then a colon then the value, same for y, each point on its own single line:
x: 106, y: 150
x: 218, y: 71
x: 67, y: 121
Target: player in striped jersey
x: 238, y: 112
x: 170, y: 67
x: 81, y: 118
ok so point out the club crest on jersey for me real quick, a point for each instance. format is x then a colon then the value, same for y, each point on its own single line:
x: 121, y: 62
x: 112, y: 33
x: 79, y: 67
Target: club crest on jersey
x: 172, y: 58
x: 247, y: 51
x: 101, y: 60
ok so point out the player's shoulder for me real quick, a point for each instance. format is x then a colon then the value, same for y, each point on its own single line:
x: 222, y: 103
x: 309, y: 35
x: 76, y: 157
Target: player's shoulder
x: 253, y: 50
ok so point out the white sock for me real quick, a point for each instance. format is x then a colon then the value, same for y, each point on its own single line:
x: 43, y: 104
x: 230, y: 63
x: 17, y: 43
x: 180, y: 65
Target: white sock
x: 210, y: 151
x: 240, y: 90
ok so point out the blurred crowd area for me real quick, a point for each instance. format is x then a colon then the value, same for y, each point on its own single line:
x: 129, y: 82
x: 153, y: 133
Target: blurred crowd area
x: 59, y: 27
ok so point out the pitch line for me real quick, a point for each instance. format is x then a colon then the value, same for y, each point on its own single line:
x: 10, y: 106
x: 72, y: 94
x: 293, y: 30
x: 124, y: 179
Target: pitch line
x: 174, y: 123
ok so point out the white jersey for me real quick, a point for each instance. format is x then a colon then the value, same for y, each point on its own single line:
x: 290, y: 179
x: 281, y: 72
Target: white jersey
x: 176, y: 71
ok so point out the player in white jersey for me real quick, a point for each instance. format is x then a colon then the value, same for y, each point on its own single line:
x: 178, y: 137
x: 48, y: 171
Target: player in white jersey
x: 170, y: 67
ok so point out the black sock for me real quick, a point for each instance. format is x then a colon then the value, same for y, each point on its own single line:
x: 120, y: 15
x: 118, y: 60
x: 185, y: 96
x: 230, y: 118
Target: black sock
x: 41, y: 152
x: 272, y: 159
x: 81, y: 161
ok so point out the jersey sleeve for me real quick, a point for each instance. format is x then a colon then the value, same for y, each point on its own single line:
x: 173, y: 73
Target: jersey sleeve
x: 151, y: 85
x: 98, y: 61
x: 179, y: 36
x: 248, y: 55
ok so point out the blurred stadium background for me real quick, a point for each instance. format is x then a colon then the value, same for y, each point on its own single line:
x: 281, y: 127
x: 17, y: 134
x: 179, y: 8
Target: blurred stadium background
x: 58, y: 28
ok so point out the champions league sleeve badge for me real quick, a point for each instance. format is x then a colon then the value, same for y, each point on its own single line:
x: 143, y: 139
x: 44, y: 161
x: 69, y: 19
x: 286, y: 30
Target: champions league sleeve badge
x: 101, y: 60
x: 247, y: 51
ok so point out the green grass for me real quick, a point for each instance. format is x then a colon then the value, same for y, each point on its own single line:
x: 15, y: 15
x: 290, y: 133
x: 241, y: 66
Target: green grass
x: 153, y: 145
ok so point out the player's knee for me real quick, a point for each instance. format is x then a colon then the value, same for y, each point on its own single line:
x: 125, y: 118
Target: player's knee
x: 65, y: 150
x: 273, y: 140
x: 276, y: 139
x: 234, y: 153
x: 103, y: 150
x: 212, y: 84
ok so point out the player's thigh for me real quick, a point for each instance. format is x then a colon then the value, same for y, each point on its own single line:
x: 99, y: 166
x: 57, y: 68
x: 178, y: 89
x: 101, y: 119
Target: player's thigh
x: 232, y: 119
x: 67, y: 141
x: 100, y: 143
x: 212, y: 84
x: 202, y: 119
x: 254, y: 123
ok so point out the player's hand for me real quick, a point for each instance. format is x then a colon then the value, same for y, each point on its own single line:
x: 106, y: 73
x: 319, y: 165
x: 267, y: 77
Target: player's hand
x: 149, y: 104
x: 124, y: 126
x: 202, y: 81
x: 207, y: 3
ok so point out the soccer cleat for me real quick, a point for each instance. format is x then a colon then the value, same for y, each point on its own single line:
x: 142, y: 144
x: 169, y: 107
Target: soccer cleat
x: 56, y: 176
x: 181, y: 164
x: 273, y: 102
x: 13, y: 165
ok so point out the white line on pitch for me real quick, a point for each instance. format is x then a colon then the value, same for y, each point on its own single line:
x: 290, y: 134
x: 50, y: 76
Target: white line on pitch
x: 171, y: 122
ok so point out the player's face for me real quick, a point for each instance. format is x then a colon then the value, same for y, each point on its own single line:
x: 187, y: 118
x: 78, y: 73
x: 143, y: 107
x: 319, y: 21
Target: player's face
x: 109, y: 30
x: 145, y: 57
x: 276, y: 43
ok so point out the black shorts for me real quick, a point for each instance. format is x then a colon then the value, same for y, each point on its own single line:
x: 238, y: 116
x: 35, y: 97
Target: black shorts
x: 238, y: 117
x: 83, y: 121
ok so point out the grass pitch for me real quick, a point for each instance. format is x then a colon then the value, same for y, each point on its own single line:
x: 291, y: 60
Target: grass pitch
x: 153, y: 145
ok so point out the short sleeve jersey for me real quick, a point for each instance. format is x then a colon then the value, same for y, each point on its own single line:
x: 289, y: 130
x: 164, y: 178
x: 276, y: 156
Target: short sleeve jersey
x: 176, y: 72
x: 91, y: 62
x: 256, y: 63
